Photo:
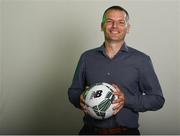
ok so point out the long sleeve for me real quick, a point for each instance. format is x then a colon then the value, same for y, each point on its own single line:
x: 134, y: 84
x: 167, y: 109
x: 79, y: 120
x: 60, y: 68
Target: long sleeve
x: 78, y: 83
x: 130, y: 69
x: 151, y: 97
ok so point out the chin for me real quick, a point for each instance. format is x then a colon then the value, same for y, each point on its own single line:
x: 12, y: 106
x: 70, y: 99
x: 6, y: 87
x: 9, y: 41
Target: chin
x: 115, y: 39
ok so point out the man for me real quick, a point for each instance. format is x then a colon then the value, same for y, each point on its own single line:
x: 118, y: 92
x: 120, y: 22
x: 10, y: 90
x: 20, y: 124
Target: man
x: 128, y: 70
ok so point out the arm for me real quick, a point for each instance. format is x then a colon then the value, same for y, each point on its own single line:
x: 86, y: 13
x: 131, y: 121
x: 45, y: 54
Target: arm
x: 152, y: 97
x: 78, y: 83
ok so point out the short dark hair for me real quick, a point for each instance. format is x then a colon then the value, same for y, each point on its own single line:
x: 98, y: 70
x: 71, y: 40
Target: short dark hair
x: 115, y: 8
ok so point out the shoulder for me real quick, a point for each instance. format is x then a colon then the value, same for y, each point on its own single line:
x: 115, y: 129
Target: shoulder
x: 90, y: 52
x: 138, y: 54
x: 140, y: 58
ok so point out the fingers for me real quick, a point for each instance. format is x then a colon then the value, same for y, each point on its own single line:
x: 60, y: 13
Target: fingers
x: 119, y: 102
x: 118, y: 105
x: 82, y: 103
x: 117, y: 109
x: 82, y: 100
x: 115, y: 86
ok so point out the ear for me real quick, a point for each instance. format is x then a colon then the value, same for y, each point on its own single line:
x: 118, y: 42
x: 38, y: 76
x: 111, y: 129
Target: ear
x: 128, y: 28
x: 102, y: 29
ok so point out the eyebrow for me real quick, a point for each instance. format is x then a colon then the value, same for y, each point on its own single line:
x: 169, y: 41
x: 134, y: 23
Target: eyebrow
x: 117, y: 20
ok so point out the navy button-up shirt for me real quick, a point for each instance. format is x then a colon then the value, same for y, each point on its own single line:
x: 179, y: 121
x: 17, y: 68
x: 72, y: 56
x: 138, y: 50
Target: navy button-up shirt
x: 130, y: 69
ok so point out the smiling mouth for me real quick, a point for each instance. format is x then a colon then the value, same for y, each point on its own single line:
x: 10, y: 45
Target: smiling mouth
x: 114, y: 32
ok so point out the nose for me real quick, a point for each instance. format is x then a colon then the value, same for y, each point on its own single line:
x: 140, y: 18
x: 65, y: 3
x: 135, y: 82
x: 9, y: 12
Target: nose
x: 115, y: 24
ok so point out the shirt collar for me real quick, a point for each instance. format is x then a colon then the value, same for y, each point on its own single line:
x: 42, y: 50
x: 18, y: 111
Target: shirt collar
x: 124, y: 48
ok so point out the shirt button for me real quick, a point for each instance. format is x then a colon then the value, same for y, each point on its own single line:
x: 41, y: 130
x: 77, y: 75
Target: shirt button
x: 108, y: 73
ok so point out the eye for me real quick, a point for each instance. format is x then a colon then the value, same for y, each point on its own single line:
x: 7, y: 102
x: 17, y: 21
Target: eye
x: 109, y: 21
x: 121, y: 22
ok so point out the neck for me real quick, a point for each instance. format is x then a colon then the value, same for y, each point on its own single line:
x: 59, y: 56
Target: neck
x: 112, y: 48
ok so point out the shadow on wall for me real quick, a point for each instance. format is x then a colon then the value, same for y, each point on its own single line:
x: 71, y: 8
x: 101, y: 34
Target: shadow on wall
x: 36, y: 90
x: 54, y: 113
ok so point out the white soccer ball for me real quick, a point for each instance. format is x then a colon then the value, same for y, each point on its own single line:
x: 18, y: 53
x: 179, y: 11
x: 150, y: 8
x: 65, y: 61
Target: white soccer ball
x: 98, y: 99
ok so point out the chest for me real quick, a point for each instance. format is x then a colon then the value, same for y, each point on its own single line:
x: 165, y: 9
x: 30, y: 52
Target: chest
x: 118, y: 71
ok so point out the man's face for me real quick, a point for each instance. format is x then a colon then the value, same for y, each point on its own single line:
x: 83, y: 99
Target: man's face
x: 115, y: 26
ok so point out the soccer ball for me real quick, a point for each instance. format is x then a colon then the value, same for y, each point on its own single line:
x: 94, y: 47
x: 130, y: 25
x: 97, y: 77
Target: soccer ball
x: 98, y: 99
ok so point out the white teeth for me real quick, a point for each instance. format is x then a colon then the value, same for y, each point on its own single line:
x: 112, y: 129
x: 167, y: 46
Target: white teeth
x: 114, y: 32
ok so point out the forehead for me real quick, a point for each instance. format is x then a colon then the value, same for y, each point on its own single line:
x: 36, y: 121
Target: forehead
x: 115, y: 14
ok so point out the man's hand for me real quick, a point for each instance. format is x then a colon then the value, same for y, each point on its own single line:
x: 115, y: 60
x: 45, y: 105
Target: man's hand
x: 82, y: 102
x: 120, y: 100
